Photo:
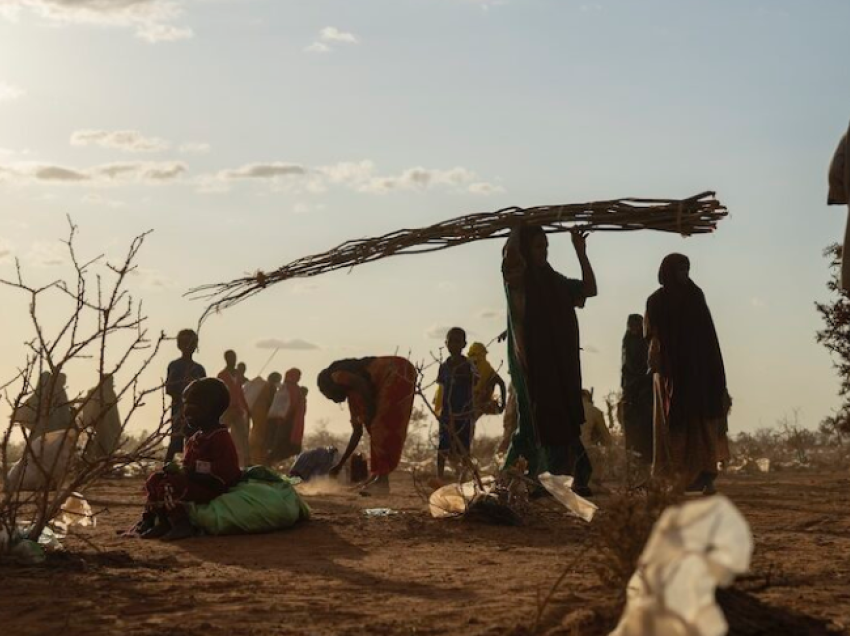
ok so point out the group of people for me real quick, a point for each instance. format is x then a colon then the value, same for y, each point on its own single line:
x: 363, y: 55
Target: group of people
x: 674, y: 397
x: 265, y: 417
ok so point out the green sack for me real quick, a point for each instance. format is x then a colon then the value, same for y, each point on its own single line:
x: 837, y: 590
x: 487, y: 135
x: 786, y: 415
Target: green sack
x: 251, y: 507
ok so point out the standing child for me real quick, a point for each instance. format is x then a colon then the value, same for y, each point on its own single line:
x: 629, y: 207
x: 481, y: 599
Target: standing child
x: 456, y: 409
x: 485, y: 386
x: 210, y: 467
x: 181, y: 373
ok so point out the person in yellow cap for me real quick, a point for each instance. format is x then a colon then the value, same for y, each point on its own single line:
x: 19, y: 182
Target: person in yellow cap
x: 488, y: 379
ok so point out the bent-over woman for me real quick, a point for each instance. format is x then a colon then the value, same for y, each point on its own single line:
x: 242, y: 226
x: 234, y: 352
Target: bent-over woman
x: 380, y: 395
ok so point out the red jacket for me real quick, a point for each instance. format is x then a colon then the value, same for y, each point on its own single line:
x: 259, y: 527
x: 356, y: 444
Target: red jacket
x: 213, y: 453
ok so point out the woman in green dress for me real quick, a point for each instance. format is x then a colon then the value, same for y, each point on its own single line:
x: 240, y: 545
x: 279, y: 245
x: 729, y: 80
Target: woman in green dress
x: 543, y: 355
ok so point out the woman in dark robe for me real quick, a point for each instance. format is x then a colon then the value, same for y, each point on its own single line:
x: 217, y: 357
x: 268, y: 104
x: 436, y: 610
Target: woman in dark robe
x: 691, y: 400
x: 636, y: 384
x: 543, y: 355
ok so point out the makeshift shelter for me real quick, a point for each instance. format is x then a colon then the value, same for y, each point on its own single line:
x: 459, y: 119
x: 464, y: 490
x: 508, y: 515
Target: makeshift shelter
x: 699, y: 214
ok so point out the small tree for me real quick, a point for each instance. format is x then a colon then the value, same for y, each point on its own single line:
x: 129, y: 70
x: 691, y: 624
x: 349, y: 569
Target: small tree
x: 835, y: 335
x: 91, y: 317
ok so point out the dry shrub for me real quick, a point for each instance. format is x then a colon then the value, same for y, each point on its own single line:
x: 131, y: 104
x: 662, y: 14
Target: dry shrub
x: 622, y: 528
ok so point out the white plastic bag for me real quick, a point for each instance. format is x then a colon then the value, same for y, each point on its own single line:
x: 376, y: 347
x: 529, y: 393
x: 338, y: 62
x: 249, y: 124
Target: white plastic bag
x: 252, y: 390
x: 561, y: 488
x: 53, y: 452
x: 693, y: 549
x: 280, y: 404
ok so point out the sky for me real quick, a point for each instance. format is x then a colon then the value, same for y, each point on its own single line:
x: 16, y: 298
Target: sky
x: 249, y: 133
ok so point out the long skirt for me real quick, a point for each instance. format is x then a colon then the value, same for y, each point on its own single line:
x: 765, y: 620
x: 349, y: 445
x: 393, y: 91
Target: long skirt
x: 690, y: 450
x: 394, y: 379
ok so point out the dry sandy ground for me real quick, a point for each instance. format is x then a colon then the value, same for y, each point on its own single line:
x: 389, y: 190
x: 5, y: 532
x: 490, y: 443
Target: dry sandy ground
x: 346, y: 573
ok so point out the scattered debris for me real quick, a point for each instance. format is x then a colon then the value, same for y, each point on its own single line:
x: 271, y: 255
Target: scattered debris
x: 379, y: 512
x: 561, y: 488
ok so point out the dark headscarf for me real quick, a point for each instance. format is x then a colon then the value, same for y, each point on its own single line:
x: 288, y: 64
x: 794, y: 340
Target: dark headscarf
x: 691, y: 361
x: 552, y: 349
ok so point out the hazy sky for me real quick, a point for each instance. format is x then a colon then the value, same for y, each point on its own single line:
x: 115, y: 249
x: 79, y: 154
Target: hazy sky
x: 247, y: 133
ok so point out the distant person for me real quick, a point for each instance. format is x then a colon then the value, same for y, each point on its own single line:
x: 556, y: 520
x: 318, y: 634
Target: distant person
x: 380, y: 394
x: 209, y: 469
x: 636, y: 385
x: 544, y: 353
x: 100, y: 419
x: 839, y: 194
x: 691, y: 400
x: 236, y: 417
x: 456, y: 380
x: 259, y: 436
x: 180, y: 373
x: 594, y: 431
x: 286, y: 419
x: 488, y: 380
x: 241, y: 373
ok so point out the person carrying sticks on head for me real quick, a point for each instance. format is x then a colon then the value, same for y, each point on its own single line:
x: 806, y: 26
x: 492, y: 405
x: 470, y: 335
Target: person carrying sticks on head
x: 691, y: 399
x: 180, y: 373
x: 236, y: 417
x: 543, y: 355
x: 455, y: 404
x: 380, y: 395
x: 210, y: 466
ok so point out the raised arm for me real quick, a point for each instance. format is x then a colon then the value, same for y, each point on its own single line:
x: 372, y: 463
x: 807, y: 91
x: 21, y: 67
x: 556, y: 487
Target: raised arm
x: 587, y: 275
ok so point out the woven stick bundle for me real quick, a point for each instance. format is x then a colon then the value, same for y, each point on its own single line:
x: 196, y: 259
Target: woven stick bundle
x: 696, y: 215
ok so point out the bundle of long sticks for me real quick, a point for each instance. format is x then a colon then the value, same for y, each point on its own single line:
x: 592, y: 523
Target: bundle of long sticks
x: 699, y: 214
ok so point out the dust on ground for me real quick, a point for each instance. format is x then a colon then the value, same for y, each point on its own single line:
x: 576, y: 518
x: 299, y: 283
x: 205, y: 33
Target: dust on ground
x: 346, y: 573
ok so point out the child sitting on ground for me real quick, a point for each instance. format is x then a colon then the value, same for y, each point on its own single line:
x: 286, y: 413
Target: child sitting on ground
x: 210, y: 465
x: 455, y: 404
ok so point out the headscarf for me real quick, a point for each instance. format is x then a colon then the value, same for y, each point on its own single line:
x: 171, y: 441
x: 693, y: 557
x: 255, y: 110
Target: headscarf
x: 691, y: 361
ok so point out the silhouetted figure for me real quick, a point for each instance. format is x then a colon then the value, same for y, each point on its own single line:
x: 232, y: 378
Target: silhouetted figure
x: 260, y: 406
x: 636, y: 384
x: 286, y: 419
x: 236, y: 417
x: 180, y: 373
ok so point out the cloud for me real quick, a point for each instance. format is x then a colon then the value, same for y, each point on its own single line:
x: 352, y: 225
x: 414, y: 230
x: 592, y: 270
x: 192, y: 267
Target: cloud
x: 151, y: 20
x: 154, y: 280
x: 317, y: 47
x: 328, y: 36
x: 485, y: 189
x: 194, y: 148
x: 125, y: 140
x: 492, y: 314
x: 332, y: 34
x: 58, y: 173
x: 294, y: 344
x: 46, y: 255
x: 10, y: 93
x: 265, y: 171
x: 105, y: 174
x: 437, y: 332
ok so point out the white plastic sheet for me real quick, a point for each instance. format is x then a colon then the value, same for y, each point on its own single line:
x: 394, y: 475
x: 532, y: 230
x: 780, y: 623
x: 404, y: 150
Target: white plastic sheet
x: 453, y: 499
x: 561, y: 488
x: 693, y: 549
